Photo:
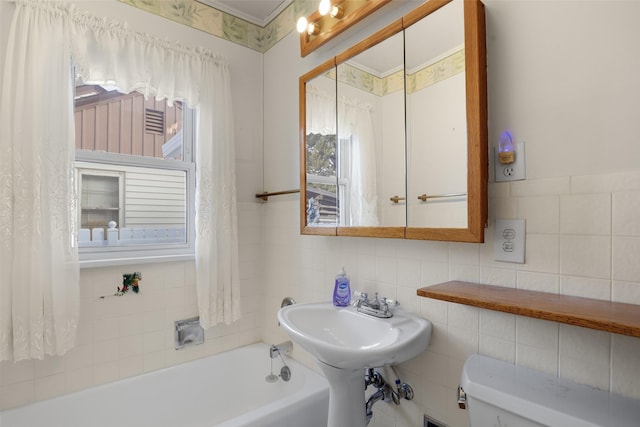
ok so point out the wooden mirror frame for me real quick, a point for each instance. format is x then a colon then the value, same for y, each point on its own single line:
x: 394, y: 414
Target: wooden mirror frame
x: 477, y: 130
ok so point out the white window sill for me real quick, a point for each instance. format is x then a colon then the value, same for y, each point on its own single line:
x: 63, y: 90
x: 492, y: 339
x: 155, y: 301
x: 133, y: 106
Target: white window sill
x: 112, y: 261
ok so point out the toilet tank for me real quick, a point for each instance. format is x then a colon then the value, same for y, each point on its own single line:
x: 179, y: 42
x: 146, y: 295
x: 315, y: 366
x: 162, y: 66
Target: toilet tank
x: 502, y: 394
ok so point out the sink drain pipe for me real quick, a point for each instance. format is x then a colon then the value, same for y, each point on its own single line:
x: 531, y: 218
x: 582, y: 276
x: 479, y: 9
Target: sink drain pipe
x: 385, y: 391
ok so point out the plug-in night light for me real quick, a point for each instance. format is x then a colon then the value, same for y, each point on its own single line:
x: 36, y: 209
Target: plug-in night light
x: 506, y: 154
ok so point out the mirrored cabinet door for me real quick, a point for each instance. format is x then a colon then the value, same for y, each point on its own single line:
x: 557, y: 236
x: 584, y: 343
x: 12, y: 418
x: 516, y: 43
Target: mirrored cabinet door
x: 447, y: 147
x: 436, y: 120
x: 371, y: 140
x: 320, y: 207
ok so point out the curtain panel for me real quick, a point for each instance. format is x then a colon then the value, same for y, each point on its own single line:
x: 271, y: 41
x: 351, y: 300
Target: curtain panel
x: 39, y: 275
x: 39, y: 272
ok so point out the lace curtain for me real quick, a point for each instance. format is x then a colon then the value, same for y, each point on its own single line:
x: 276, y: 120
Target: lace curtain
x: 39, y: 275
x: 354, y: 125
x: 39, y: 290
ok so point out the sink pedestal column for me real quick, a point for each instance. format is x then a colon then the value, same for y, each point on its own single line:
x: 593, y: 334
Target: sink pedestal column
x: 346, y: 396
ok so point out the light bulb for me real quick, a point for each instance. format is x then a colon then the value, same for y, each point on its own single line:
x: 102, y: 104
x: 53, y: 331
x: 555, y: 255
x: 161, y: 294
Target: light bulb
x: 313, y: 29
x: 337, y: 12
x: 324, y: 7
x: 301, y: 25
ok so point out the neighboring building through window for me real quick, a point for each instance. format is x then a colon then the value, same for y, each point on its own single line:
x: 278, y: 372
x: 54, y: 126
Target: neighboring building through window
x: 135, y: 173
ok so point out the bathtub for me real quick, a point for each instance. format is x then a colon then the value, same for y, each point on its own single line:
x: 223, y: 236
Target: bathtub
x: 225, y: 390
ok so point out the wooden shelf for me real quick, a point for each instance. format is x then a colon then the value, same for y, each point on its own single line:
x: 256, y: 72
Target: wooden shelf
x: 619, y: 318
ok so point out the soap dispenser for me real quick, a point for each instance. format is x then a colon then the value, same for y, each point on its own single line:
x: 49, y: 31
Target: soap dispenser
x: 342, y: 290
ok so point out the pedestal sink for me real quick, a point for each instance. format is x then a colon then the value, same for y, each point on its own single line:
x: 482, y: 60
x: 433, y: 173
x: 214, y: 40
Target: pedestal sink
x: 344, y: 342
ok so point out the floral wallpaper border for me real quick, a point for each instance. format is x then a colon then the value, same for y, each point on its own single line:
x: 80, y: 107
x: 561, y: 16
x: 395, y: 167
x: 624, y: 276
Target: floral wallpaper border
x: 446, y: 67
x: 221, y: 24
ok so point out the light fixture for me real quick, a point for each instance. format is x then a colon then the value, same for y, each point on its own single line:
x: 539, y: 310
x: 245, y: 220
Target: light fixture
x: 313, y: 29
x: 337, y: 12
x: 324, y: 7
x: 331, y: 18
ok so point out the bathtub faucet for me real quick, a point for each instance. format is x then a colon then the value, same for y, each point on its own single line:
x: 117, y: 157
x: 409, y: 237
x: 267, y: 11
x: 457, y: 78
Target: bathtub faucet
x: 282, y: 348
x: 275, y: 351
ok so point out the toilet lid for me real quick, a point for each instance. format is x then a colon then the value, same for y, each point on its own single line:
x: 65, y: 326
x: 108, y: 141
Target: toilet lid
x: 544, y: 398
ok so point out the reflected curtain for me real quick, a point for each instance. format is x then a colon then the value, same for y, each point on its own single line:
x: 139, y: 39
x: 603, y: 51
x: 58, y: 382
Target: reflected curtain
x: 321, y: 111
x: 355, y: 125
x: 39, y: 274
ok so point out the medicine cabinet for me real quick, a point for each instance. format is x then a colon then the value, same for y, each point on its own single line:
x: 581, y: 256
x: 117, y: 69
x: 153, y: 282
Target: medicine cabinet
x: 393, y: 131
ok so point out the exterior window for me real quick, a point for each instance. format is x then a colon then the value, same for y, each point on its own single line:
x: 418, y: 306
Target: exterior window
x: 100, y: 198
x: 327, y: 193
x: 135, y: 174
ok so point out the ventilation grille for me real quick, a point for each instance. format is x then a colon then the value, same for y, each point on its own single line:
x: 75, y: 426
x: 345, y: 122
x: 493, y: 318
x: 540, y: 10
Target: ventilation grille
x: 154, y: 121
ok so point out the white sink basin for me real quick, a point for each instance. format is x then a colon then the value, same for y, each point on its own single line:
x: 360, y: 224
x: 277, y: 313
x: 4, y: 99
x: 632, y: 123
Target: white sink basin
x: 343, y: 338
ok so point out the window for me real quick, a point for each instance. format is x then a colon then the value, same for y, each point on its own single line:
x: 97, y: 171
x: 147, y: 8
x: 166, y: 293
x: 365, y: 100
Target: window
x: 328, y: 195
x: 135, y: 175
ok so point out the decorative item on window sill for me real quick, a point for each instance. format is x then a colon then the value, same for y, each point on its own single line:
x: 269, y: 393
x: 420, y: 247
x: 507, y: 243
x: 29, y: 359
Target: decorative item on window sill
x: 332, y: 18
x: 130, y: 282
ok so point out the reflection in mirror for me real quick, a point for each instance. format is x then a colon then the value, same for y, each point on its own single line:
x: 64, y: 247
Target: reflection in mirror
x: 436, y: 120
x: 371, y: 136
x: 322, y: 208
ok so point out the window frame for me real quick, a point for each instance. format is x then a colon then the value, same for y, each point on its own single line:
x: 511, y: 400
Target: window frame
x: 154, y: 252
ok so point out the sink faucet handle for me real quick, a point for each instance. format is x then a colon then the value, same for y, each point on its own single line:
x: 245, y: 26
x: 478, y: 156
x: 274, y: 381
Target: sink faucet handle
x: 392, y: 302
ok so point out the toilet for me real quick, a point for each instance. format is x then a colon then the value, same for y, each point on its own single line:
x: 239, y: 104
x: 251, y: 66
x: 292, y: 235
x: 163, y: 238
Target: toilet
x: 501, y: 394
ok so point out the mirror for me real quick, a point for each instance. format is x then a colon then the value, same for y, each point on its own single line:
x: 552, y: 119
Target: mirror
x: 371, y: 135
x: 436, y: 120
x: 322, y: 209
x: 408, y: 154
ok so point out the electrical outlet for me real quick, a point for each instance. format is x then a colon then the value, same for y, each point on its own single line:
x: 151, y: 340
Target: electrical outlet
x: 510, y: 240
x: 513, y: 171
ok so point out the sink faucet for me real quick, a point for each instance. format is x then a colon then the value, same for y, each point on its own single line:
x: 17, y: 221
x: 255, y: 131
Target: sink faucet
x: 379, y: 307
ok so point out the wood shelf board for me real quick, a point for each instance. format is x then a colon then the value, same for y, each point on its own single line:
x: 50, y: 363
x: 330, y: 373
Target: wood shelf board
x: 620, y: 318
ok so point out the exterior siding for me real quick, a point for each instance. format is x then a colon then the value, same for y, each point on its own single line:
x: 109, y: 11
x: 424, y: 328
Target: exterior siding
x: 117, y: 125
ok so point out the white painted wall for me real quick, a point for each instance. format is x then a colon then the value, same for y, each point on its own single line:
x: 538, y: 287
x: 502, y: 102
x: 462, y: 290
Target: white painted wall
x: 562, y: 77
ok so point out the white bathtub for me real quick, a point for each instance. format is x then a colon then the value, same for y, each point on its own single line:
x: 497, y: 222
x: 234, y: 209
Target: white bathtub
x: 225, y: 390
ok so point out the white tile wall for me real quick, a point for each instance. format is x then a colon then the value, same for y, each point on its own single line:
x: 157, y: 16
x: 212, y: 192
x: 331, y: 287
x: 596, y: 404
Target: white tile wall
x: 120, y: 337
x: 563, y: 256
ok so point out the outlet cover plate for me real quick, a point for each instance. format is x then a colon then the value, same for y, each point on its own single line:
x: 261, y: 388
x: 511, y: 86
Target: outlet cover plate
x: 514, y: 171
x: 510, y: 240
